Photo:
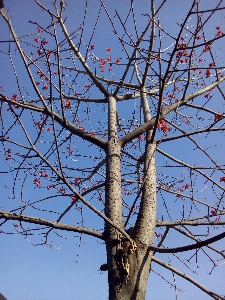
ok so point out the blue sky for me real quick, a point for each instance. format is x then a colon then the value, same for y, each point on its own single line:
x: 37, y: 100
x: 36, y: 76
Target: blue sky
x: 70, y: 269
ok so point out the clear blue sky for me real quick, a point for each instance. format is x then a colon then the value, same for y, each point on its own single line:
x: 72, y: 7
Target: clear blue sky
x: 71, y: 270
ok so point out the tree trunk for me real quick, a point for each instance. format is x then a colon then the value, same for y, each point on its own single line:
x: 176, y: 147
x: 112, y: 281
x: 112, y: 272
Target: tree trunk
x: 113, y: 201
x: 144, y: 231
x: 135, y: 287
x: 128, y: 263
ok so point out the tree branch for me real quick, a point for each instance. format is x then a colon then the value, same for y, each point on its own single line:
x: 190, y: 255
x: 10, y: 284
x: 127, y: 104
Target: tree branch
x: 190, y: 167
x: 65, y: 124
x: 186, y: 134
x: 189, y: 247
x: 204, y: 289
x: 149, y: 125
x: 191, y: 236
x: 47, y: 223
x: 189, y: 223
x: 82, y: 60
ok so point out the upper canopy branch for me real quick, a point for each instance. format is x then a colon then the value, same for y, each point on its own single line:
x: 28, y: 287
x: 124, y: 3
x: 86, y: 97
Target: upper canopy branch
x: 82, y: 60
x: 187, y: 134
x: 150, y: 124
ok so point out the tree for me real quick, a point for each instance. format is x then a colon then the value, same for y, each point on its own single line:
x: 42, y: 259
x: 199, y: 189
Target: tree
x: 120, y: 134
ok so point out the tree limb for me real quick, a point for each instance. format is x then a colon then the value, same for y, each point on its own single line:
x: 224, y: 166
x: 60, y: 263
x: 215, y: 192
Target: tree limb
x: 47, y: 223
x: 204, y: 289
x: 67, y: 125
x: 149, y: 125
x: 189, y: 247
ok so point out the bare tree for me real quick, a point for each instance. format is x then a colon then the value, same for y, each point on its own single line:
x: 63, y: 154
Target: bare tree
x: 120, y: 134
